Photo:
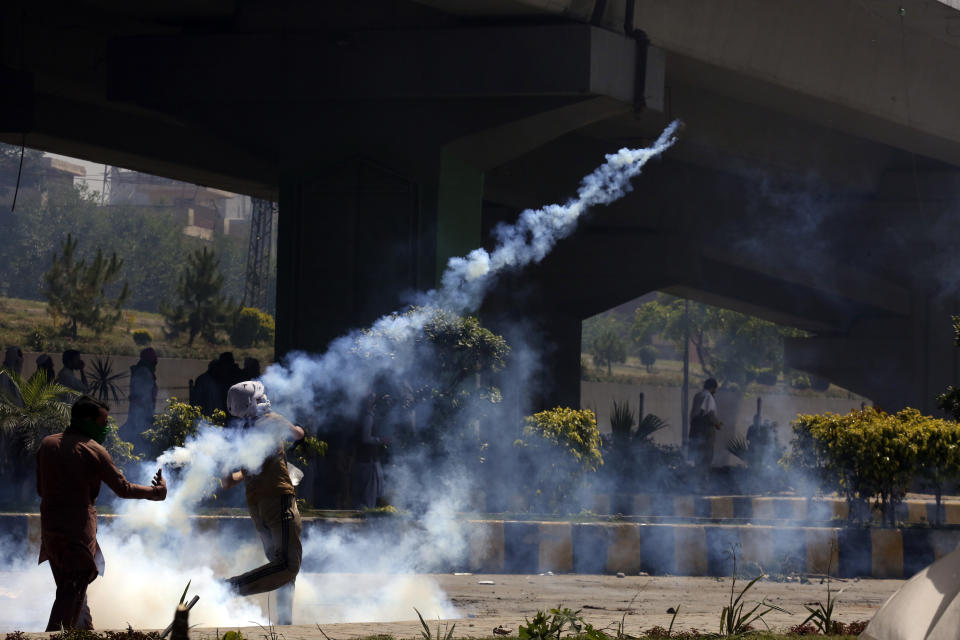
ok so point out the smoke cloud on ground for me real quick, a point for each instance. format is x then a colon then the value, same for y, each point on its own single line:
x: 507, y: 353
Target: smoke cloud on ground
x: 152, y: 552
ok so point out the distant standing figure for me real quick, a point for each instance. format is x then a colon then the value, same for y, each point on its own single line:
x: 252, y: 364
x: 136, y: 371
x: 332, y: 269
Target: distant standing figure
x: 704, y: 425
x: 45, y: 367
x: 143, y: 397
x: 206, y: 390
x: 368, y: 469
x: 70, y: 468
x: 71, y: 375
x: 227, y: 373
x: 12, y: 364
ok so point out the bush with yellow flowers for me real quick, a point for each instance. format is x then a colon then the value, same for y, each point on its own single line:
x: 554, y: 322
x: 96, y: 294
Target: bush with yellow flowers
x: 562, y: 445
x: 870, y: 455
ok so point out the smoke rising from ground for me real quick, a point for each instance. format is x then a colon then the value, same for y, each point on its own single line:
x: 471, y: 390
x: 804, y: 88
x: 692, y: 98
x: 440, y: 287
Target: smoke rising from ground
x: 153, y: 552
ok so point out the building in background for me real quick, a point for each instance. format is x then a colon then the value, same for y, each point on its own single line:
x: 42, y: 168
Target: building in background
x: 49, y: 173
x: 204, y: 211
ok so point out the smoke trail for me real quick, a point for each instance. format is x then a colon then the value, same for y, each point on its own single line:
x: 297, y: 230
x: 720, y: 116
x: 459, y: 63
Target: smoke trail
x: 536, y: 232
x: 295, y: 386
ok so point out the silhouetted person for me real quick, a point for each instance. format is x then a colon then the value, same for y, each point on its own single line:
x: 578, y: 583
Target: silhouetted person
x: 70, y: 467
x: 143, y: 397
x: 12, y: 365
x: 704, y: 425
x: 45, y: 367
x: 227, y: 373
x: 206, y: 390
x: 368, y: 471
x: 251, y: 368
x: 71, y: 375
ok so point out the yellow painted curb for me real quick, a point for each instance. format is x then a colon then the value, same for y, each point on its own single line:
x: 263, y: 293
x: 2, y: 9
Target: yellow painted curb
x: 886, y: 547
x: 690, y: 550
x: 33, y: 534
x: 763, y: 509
x: 684, y: 506
x: 721, y: 507
x: 556, y: 546
x: 756, y: 545
x: 823, y: 553
x: 623, y: 550
x: 486, y: 546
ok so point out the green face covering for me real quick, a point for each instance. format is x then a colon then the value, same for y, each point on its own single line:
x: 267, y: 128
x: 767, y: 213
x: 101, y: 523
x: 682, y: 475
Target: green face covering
x: 91, y: 428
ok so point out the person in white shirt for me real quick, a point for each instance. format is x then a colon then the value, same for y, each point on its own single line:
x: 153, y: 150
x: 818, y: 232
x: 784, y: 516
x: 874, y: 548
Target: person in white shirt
x: 704, y: 425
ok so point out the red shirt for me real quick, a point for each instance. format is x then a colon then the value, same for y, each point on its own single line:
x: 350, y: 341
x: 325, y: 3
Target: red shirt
x: 70, y: 468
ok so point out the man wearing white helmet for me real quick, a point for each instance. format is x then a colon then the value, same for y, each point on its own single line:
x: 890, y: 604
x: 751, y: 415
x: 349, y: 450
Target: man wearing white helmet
x: 271, y: 500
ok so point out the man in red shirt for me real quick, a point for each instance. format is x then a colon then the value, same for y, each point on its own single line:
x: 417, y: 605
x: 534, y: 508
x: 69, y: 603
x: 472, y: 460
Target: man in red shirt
x: 70, y: 467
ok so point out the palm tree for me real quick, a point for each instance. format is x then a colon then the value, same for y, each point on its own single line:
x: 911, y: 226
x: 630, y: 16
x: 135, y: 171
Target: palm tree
x: 22, y: 428
x: 104, y: 383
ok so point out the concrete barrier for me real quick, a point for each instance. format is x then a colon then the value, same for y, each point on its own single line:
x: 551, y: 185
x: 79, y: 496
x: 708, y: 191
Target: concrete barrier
x: 505, y: 546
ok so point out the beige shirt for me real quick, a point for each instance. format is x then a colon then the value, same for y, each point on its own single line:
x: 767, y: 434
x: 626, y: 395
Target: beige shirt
x: 273, y: 479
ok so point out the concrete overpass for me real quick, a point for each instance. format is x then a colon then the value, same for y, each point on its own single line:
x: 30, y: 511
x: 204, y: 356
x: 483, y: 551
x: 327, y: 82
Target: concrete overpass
x: 814, y: 184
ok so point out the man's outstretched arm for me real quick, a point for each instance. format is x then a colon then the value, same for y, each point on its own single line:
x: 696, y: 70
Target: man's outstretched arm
x: 115, y: 479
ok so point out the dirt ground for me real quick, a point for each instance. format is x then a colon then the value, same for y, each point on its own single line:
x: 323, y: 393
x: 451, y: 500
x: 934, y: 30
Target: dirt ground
x: 604, y: 600
x: 640, y: 601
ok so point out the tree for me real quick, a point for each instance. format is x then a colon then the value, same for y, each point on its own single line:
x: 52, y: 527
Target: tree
x: 76, y: 290
x: 561, y: 445
x: 450, y: 367
x: 605, y: 342
x: 23, y: 427
x: 648, y: 356
x: 202, y: 308
x: 607, y: 349
x: 731, y: 346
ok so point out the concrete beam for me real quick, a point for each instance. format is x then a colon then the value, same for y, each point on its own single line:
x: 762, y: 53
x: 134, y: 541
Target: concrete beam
x: 134, y: 139
x: 846, y: 65
x: 560, y: 59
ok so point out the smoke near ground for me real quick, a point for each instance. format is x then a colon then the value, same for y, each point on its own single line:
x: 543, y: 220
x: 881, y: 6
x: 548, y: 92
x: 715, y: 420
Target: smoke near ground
x: 152, y: 552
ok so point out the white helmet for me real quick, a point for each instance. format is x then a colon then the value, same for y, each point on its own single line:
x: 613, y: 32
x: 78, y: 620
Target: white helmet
x: 247, y: 399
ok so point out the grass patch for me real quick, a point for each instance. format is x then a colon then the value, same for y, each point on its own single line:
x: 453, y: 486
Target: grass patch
x: 27, y: 323
x: 669, y: 373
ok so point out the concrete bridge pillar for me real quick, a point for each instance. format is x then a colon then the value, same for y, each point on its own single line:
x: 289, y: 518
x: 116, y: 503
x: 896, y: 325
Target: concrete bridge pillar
x: 356, y: 239
x: 894, y: 361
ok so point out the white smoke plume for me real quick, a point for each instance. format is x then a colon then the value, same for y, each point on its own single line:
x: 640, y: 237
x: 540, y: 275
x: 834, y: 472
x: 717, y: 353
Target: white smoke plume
x: 293, y: 387
x: 153, y: 551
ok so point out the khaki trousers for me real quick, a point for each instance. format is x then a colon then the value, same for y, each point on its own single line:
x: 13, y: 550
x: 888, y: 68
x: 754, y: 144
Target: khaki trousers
x: 277, y: 520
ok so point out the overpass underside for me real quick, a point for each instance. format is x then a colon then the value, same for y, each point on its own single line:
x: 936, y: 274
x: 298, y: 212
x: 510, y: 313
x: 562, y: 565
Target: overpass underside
x: 812, y: 184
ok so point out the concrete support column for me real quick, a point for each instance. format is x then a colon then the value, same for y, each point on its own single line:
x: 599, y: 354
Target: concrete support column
x: 560, y: 384
x: 896, y: 362
x: 451, y: 214
x: 356, y: 240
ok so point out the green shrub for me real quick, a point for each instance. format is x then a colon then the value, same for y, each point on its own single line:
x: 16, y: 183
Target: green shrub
x: 563, y: 445
x: 177, y: 422
x: 648, y: 356
x: 800, y: 381
x: 36, y: 339
x: 120, y: 450
x: 142, y: 337
x: 872, y: 455
x: 252, y: 326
